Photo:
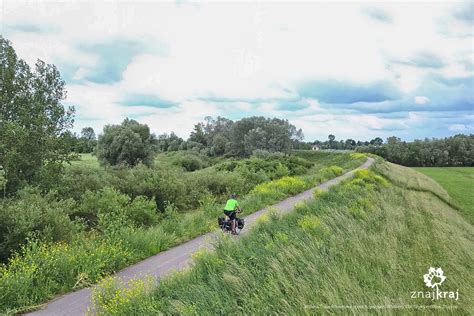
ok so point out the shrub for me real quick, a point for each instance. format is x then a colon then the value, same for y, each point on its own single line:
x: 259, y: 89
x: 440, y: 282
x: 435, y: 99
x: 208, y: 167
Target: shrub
x: 78, y: 179
x: 216, y: 183
x: 142, y: 211
x: 34, y: 215
x: 362, y: 173
x: 280, y: 171
x: 332, y: 171
x: 105, y: 201
x: 357, y: 155
x: 109, y: 207
x: 258, y: 170
x: 161, y: 185
x: 286, y: 185
x: 189, y: 162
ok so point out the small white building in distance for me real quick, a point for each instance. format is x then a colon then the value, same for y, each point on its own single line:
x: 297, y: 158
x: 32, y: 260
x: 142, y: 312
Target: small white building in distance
x: 315, y: 147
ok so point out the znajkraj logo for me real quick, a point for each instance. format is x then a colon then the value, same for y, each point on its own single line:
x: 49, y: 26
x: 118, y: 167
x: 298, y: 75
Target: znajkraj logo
x: 433, y: 279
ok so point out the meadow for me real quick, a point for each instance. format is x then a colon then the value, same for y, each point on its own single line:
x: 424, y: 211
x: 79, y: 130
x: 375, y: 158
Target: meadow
x: 98, y: 220
x: 86, y: 160
x: 458, y: 182
x: 363, y: 247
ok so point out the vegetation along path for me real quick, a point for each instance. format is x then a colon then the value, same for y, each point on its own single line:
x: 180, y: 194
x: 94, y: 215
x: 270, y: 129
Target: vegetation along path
x: 177, y: 258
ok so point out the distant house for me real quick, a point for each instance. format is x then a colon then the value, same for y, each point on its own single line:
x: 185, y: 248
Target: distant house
x: 315, y: 147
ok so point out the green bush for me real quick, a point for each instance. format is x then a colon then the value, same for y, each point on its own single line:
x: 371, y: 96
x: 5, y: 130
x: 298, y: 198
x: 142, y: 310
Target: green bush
x: 216, y: 183
x: 107, y: 206
x: 32, y: 215
x: 189, y: 162
x: 257, y: 170
x: 78, y: 179
x: 155, y: 183
x: 142, y: 211
x: 285, y: 185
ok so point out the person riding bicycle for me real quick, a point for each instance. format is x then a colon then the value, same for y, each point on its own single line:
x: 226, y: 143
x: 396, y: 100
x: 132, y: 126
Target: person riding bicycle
x: 231, y: 209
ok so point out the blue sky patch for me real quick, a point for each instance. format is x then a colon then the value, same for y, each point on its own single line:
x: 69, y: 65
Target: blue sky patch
x: 26, y: 27
x: 114, y: 56
x: 147, y: 100
x: 422, y: 60
x: 332, y: 91
x: 378, y: 15
x: 291, y: 106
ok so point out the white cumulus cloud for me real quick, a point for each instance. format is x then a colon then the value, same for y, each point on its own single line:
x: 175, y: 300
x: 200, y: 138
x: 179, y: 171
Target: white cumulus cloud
x: 421, y: 99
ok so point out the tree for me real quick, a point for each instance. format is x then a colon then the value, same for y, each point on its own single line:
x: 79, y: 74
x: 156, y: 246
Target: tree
x: 331, y: 138
x: 377, y: 141
x: 198, y: 135
x: 349, y: 144
x: 274, y: 135
x: 88, y: 133
x: 174, y: 141
x: 34, y: 141
x: 87, y: 142
x: 451, y: 151
x: 219, y: 144
x: 222, y: 136
x: 128, y: 144
x: 169, y: 142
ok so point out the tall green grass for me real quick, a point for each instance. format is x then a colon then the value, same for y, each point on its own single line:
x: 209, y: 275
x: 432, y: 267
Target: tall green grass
x: 363, y: 247
x: 86, y: 160
x: 42, y: 270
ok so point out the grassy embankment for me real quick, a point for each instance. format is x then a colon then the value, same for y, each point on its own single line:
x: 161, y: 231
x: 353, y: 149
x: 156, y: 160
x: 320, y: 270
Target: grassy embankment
x: 458, y: 182
x: 362, y: 247
x: 43, y: 269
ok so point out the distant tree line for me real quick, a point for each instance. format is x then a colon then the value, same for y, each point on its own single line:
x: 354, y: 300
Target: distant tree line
x: 456, y: 150
x: 332, y: 143
x: 130, y: 142
x: 222, y: 136
x: 85, y: 142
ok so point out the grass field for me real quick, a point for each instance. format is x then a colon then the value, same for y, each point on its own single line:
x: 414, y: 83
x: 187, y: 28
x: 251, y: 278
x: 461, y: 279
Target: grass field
x: 459, y: 182
x: 361, y: 248
x: 86, y: 160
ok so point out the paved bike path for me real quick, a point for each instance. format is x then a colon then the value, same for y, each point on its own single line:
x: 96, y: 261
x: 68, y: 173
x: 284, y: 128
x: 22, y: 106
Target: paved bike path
x: 177, y: 258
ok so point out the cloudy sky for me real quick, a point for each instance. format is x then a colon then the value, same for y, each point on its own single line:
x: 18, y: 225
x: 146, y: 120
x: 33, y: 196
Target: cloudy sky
x: 356, y: 70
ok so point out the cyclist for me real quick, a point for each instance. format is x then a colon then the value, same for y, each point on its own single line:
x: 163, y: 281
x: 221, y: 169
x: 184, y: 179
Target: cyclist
x: 231, y: 209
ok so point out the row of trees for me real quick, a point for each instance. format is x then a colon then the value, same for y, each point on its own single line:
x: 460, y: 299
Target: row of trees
x: 332, y: 143
x: 456, y: 150
x: 85, y: 142
x: 222, y: 136
x: 131, y: 142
